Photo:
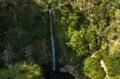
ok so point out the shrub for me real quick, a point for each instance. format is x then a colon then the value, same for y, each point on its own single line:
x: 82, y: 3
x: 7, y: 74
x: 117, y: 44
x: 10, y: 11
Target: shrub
x: 93, y: 69
x: 113, y: 66
x: 21, y: 71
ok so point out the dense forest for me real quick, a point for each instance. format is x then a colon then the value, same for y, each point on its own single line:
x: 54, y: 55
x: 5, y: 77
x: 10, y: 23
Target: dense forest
x: 86, y: 39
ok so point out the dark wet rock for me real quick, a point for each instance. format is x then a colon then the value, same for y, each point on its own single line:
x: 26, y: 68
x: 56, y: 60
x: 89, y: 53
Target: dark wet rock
x: 50, y: 74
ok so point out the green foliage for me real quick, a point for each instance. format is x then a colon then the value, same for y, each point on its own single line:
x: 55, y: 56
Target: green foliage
x: 113, y: 66
x: 86, y: 34
x: 92, y: 38
x: 21, y: 71
x: 117, y: 77
x: 92, y: 68
x: 22, y: 23
x: 70, y: 21
x: 5, y: 20
x: 25, y: 24
x: 70, y: 17
x: 77, y: 44
x: 102, y: 53
x: 84, y: 29
x: 115, y: 49
x: 1, y: 64
x: 41, y: 53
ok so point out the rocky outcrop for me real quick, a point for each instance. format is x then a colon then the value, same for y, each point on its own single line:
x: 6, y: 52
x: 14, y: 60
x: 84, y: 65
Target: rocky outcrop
x: 29, y: 51
x: 8, y: 55
x: 104, y: 67
x: 68, y: 68
x: 72, y: 70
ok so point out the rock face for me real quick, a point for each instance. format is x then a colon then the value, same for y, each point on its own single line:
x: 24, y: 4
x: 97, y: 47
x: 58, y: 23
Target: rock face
x: 72, y: 70
x: 68, y: 68
x: 104, y: 67
x: 8, y: 55
x: 29, y: 51
x: 58, y: 74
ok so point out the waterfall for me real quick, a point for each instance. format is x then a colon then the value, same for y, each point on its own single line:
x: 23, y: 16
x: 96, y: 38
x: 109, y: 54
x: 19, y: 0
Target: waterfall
x: 52, y: 42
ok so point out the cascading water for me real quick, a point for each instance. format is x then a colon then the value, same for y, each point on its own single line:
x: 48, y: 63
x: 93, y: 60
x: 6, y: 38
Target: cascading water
x: 52, y: 42
x: 54, y: 73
